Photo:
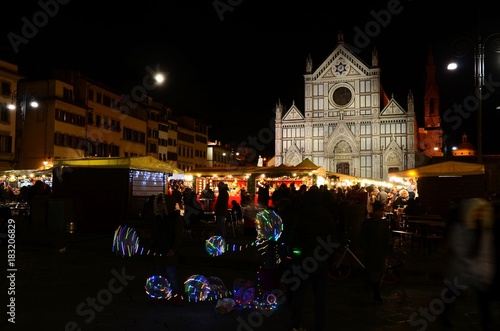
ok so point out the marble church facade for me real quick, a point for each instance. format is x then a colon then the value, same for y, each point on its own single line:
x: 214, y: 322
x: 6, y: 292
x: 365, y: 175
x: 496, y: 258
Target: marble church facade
x: 348, y: 125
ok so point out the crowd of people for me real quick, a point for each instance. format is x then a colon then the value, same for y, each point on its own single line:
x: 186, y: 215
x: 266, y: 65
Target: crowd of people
x: 314, y: 215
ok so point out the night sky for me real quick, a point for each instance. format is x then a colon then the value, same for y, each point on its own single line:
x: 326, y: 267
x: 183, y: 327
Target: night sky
x: 228, y: 62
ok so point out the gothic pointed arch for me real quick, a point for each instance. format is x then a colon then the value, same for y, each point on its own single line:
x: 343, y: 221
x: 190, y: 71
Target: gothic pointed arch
x: 393, y: 155
x: 293, y: 155
x: 342, y: 134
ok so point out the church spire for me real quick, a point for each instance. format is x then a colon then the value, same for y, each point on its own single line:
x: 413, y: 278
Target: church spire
x: 431, y: 97
x: 374, y: 57
x: 431, y: 135
x: 309, y: 64
x: 340, y: 37
x: 411, y: 102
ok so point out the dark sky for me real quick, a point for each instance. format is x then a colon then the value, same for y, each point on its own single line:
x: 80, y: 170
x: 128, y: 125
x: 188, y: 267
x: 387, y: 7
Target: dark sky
x: 229, y: 66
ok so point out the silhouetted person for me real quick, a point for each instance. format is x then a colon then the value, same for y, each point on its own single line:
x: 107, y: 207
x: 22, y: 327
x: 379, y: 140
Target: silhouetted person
x: 375, y: 240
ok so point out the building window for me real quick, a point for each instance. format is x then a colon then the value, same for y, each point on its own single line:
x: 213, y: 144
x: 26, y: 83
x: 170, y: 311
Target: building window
x: 106, y: 100
x: 365, y: 101
x: 318, y: 90
x: 366, y: 144
x: 91, y: 95
x: 393, y: 127
x: 6, y: 90
x: 90, y: 118
x: 318, y: 104
x: 115, y: 125
x: 318, y: 160
x: 365, y: 86
x: 4, y: 114
x: 67, y: 93
x: 5, y: 144
x: 365, y: 129
x: 317, y: 145
x: 318, y: 131
x: 366, y: 166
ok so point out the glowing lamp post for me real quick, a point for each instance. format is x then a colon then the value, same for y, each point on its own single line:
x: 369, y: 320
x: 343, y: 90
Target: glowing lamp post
x: 479, y: 44
x: 23, y: 99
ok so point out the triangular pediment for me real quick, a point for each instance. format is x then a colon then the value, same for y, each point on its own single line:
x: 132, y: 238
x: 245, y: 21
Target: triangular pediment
x: 293, y: 155
x: 392, y: 108
x: 342, y: 63
x: 293, y: 114
x: 342, y: 139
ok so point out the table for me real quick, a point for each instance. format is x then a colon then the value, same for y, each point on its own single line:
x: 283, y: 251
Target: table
x: 430, y: 232
x: 206, y: 204
x: 403, y: 235
x: 426, y: 226
x: 424, y: 217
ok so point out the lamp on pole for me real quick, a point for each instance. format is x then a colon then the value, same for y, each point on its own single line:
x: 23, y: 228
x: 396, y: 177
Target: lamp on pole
x: 23, y: 99
x: 479, y: 44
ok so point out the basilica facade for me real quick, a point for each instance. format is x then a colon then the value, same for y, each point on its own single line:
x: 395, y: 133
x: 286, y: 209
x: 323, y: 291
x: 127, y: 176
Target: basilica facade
x: 349, y: 125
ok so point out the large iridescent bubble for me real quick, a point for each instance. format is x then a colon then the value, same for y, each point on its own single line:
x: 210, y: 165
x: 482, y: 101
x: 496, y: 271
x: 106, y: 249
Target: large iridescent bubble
x: 201, y: 288
x: 218, y: 289
x: 197, y: 288
x: 125, y: 241
x: 158, y: 287
x: 215, y: 245
x: 268, y: 225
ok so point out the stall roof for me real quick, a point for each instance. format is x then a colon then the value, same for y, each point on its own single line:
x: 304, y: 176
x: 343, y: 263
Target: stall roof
x: 148, y: 163
x: 448, y: 168
x: 249, y: 170
x: 223, y: 171
x: 342, y: 176
x: 27, y: 172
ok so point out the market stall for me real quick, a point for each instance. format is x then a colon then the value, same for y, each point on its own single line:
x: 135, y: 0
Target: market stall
x: 438, y: 184
x: 16, y: 179
x: 100, y: 193
x: 250, y: 178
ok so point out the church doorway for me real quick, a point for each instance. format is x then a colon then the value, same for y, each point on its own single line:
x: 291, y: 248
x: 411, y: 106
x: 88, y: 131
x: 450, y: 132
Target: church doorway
x: 343, y: 168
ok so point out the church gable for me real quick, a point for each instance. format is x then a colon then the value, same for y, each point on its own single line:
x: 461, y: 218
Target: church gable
x: 392, y: 108
x: 293, y: 114
x: 293, y: 155
x: 341, y: 63
x: 342, y: 139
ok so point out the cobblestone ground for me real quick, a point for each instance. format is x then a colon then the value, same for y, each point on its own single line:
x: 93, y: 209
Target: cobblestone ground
x: 85, y: 286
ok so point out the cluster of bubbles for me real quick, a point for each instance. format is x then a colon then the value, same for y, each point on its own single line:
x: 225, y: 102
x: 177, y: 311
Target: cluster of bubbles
x: 125, y: 241
x: 158, y: 287
x: 215, y: 245
x: 268, y: 225
x: 200, y: 288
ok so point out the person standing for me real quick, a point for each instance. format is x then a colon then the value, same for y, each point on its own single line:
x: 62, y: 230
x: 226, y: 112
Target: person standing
x: 375, y: 240
x: 263, y: 196
x: 177, y: 195
x: 245, y: 198
x: 221, y: 208
x: 168, y: 233
x: 207, y: 196
x: 402, y: 200
x: 472, y: 254
x: 382, y: 195
x: 315, y: 227
x: 193, y: 209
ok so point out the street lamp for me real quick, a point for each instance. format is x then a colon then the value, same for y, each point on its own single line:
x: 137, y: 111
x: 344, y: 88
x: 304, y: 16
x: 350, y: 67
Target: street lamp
x: 479, y: 44
x: 23, y: 99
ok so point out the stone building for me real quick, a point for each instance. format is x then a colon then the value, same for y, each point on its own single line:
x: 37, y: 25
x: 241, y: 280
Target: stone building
x: 349, y: 124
